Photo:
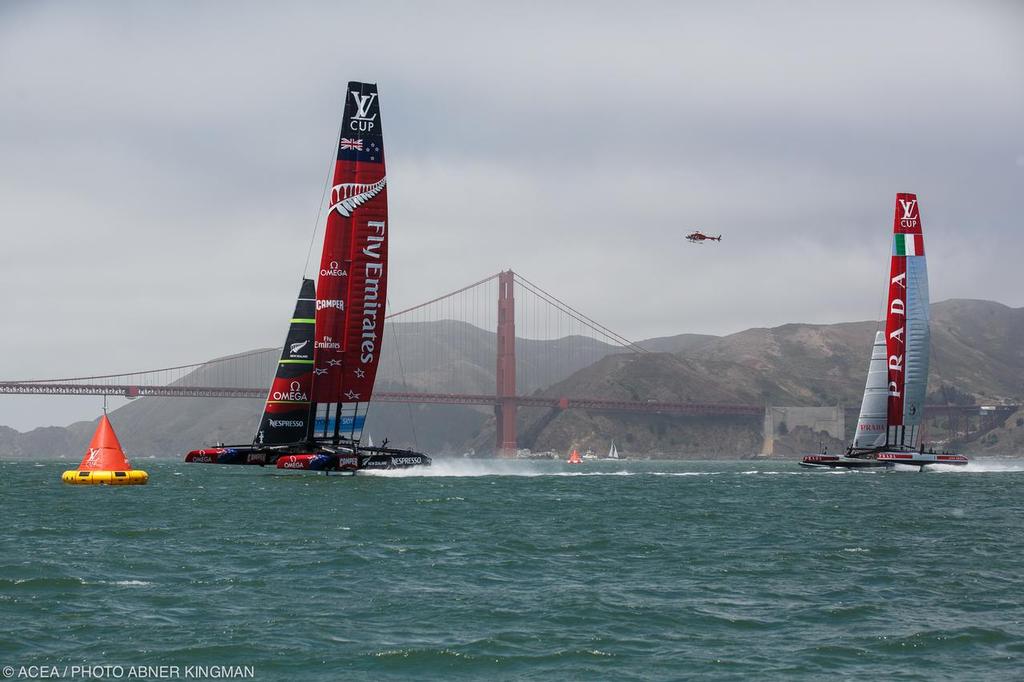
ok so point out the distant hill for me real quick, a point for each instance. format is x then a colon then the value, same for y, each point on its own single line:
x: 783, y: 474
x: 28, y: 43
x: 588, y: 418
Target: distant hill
x: 1007, y: 438
x: 662, y: 377
x: 978, y: 356
x: 679, y: 343
x: 978, y: 346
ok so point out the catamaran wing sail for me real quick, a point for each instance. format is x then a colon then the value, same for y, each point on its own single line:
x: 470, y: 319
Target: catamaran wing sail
x: 352, y: 286
x: 287, y: 410
x: 906, y: 328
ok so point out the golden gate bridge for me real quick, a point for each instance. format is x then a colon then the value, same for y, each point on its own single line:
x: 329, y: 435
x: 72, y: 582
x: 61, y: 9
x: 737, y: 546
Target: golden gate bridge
x: 438, y: 352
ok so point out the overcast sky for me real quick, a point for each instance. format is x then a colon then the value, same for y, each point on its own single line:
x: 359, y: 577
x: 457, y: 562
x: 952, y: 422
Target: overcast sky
x: 161, y: 164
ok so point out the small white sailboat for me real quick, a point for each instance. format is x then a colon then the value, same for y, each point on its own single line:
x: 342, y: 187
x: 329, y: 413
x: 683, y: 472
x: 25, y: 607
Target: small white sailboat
x: 892, y: 410
x: 613, y: 452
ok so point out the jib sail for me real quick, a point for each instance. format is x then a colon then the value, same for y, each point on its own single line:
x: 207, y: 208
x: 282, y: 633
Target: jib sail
x: 871, y: 424
x: 906, y: 328
x: 352, y: 283
x: 285, y: 417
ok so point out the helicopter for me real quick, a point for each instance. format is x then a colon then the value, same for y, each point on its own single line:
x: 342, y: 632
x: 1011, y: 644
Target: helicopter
x: 698, y: 237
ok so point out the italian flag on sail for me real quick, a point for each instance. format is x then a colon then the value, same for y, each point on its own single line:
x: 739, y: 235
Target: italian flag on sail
x: 908, y: 245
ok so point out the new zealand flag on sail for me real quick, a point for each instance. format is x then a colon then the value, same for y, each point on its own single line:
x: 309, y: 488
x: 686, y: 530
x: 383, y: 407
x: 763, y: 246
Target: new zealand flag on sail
x: 361, y: 149
x: 361, y: 133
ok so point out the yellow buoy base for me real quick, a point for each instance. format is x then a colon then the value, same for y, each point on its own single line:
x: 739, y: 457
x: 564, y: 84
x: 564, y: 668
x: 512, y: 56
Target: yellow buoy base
x: 132, y: 477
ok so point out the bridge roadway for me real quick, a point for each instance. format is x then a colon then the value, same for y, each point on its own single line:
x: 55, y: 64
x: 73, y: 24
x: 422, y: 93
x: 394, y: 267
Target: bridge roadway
x: 649, y: 407
x: 704, y: 409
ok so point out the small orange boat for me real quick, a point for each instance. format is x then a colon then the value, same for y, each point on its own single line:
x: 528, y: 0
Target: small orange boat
x: 574, y: 458
x: 105, y: 462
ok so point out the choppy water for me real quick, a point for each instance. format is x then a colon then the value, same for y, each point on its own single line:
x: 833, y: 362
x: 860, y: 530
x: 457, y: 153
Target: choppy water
x: 613, y: 571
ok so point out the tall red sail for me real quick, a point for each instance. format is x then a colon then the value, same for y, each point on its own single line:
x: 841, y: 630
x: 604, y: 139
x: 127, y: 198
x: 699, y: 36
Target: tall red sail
x: 352, y: 284
x: 907, y: 294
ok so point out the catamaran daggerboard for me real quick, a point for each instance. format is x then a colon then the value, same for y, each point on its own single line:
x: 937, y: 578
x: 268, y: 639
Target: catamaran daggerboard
x: 316, y: 407
x: 892, y: 410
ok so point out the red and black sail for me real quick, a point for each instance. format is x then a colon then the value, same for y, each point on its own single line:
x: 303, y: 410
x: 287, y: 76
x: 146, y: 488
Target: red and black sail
x: 285, y: 417
x: 352, y: 283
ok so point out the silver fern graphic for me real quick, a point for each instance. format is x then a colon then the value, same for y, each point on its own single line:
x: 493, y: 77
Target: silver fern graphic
x: 348, y: 196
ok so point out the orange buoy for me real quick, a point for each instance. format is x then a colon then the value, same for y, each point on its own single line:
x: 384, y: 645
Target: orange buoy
x: 105, y: 461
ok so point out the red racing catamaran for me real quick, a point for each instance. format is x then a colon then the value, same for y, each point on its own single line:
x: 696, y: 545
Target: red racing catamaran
x: 316, y: 407
x: 892, y: 410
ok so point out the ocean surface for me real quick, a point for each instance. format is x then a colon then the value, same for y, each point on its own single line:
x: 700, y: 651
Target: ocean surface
x: 519, y: 571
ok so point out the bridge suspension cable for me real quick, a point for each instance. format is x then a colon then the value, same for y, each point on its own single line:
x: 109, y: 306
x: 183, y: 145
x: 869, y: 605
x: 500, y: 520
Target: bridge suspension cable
x: 165, y: 374
x: 450, y: 294
x: 577, y: 315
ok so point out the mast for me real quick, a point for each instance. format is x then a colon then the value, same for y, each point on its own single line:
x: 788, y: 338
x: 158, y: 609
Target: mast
x: 352, y: 283
x: 907, y: 334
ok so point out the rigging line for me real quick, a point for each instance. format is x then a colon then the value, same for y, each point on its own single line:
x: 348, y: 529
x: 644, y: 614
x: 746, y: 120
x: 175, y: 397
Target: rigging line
x: 150, y: 371
x: 572, y: 312
x: 883, y: 314
x: 883, y: 317
x: 323, y: 194
x: 577, y: 315
x: 441, y: 298
x: 405, y: 386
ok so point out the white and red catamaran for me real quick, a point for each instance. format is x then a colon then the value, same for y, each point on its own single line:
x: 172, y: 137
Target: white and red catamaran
x: 317, y: 405
x: 892, y: 411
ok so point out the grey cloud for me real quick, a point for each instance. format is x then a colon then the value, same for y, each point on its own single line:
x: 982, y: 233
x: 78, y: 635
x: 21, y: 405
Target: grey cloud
x: 162, y: 163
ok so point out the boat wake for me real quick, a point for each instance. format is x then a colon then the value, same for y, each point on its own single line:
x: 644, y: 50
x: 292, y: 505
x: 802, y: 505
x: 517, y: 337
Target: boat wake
x: 457, y: 468
x: 985, y: 466
x: 463, y: 468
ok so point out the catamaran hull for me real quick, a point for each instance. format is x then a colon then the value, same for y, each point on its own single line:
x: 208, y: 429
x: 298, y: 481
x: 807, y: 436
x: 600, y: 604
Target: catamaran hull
x: 882, y: 460
x: 306, y: 460
x: 814, y: 462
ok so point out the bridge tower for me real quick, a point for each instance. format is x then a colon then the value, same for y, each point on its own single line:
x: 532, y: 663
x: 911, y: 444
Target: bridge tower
x: 505, y: 394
